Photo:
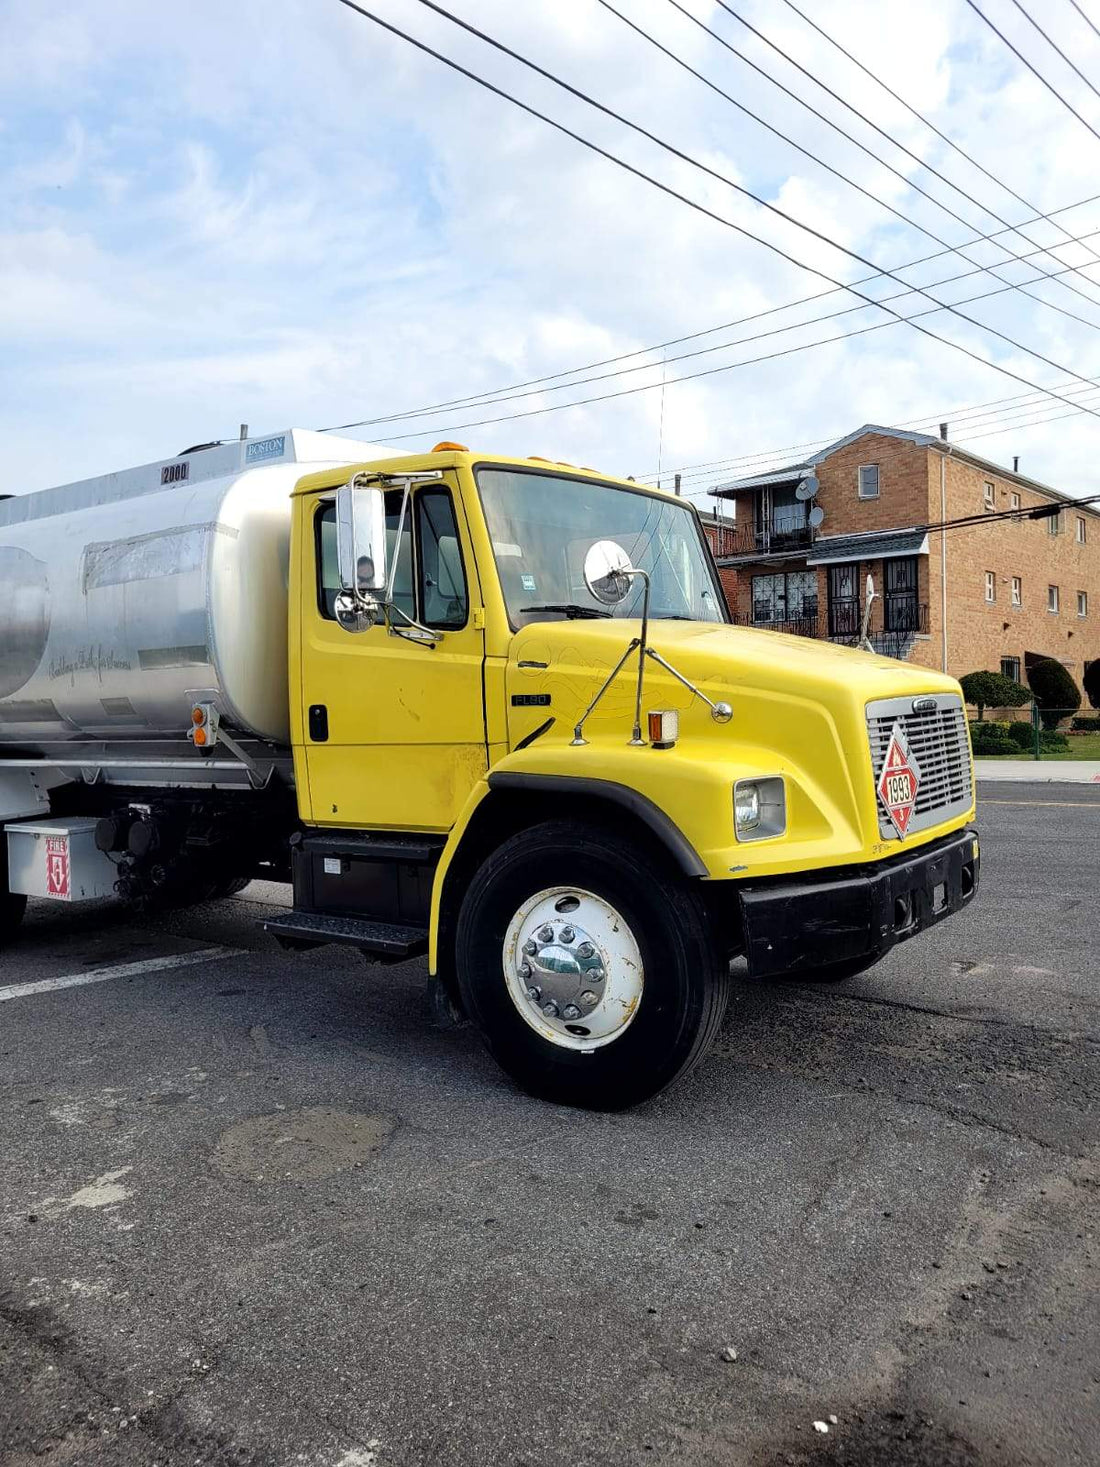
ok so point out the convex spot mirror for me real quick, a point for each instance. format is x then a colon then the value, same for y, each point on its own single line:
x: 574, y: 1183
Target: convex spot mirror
x: 608, y: 572
x: 361, y: 538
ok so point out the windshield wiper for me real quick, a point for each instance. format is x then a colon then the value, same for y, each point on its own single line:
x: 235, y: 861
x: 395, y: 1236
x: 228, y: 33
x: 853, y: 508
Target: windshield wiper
x: 570, y: 609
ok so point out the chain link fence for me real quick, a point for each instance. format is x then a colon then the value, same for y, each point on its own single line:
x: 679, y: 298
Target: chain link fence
x: 1032, y: 732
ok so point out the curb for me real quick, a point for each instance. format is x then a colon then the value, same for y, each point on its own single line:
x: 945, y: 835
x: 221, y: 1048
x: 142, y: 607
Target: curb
x: 1037, y: 771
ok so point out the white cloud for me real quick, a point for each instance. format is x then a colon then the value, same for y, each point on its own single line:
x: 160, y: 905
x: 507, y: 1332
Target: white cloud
x: 277, y: 214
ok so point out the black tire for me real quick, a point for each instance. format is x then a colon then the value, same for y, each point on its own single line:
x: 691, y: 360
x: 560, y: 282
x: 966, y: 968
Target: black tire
x: 229, y: 886
x: 827, y: 973
x: 686, y: 978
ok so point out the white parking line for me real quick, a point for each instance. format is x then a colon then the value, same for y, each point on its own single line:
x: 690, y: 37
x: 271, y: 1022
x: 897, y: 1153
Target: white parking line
x: 119, y: 970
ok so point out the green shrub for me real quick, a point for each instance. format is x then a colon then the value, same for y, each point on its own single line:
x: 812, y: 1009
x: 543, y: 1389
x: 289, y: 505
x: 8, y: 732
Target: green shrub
x: 1055, y: 691
x: 1086, y: 725
x: 1050, y: 742
x: 991, y: 738
x: 1022, y: 735
x: 1091, y: 682
x: 992, y: 690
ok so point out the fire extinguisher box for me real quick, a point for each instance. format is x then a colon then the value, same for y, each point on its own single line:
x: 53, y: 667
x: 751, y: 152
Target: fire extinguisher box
x: 58, y: 859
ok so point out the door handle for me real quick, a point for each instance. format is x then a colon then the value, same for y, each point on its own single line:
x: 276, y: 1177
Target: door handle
x: 318, y: 723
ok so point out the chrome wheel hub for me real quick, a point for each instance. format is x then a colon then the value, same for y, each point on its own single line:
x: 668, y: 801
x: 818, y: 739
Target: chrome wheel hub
x: 573, y: 968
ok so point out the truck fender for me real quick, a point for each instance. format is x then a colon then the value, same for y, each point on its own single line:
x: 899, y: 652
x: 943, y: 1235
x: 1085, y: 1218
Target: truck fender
x: 600, y: 791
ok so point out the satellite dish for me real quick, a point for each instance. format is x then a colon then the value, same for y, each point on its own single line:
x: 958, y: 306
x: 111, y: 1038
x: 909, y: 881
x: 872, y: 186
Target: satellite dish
x: 807, y: 488
x: 816, y: 516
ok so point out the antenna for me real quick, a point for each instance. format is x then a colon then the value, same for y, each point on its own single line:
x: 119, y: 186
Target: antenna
x: 871, y: 596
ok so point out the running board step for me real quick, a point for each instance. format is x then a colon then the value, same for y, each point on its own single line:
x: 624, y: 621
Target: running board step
x: 310, y: 929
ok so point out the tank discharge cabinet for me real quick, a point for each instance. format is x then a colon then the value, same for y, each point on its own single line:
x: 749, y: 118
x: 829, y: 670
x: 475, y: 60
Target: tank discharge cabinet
x: 489, y: 711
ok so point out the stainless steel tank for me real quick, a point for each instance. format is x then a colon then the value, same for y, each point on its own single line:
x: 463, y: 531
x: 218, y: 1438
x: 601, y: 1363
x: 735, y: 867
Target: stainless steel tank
x: 121, y: 596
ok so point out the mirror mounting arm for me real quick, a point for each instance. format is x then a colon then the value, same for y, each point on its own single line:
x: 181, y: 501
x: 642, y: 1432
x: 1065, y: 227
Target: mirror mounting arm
x: 643, y: 648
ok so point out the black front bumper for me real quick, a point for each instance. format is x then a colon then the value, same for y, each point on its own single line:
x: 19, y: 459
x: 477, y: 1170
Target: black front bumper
x: 845, y: 915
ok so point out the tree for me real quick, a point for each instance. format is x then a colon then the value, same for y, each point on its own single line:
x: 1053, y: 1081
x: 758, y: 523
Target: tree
x: 1091, y: 681
x: 1055, y: 691
x: 993, y: 690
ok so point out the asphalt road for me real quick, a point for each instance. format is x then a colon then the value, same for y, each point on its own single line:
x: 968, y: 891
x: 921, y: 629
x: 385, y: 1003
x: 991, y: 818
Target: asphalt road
x: 256, y: 1210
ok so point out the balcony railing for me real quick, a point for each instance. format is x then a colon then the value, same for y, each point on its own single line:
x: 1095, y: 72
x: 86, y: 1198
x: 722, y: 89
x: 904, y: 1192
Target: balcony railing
x: 770, y: 538
x: 895, y: 621
x: 894, y: 624
x: 809, y: 624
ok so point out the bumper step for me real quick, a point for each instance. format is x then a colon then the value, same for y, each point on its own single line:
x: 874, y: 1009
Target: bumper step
x: 311, y: 929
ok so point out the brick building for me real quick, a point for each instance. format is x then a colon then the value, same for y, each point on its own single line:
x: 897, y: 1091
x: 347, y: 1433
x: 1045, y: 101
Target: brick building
x: 994, y: 596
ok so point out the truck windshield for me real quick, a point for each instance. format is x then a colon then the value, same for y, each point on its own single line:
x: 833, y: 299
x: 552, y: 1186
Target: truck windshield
x: 542, y: 526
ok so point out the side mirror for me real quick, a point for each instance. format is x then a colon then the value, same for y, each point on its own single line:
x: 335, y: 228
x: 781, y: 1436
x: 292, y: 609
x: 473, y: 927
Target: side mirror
x: 608, y: 572
x: 361, y: 538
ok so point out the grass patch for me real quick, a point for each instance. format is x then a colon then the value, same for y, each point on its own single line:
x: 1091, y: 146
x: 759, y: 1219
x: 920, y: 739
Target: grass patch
x: 1081, y: 746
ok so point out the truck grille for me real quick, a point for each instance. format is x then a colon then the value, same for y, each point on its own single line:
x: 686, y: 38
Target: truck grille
x: 938, y: 742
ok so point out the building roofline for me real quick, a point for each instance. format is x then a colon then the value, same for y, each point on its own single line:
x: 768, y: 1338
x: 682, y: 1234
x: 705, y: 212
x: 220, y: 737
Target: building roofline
x: 925, y: 440
x: 1036, y: 485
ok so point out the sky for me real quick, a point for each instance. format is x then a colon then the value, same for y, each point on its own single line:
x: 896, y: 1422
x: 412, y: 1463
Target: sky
x: 275, y: 213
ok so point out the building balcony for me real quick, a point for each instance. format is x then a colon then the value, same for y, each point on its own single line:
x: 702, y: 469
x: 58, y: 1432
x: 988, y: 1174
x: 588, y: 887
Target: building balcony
x: 895, y: 623
x: 808, y: 625
x: 783, y: 535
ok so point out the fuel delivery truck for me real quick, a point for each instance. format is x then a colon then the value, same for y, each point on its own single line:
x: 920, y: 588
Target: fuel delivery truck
x: 485, y: 709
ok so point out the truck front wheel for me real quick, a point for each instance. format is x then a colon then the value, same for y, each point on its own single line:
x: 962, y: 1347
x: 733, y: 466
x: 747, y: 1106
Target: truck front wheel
x: 589, y: 968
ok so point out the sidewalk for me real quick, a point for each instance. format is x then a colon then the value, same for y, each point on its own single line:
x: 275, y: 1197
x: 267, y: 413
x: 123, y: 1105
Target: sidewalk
x: 1038, y: 771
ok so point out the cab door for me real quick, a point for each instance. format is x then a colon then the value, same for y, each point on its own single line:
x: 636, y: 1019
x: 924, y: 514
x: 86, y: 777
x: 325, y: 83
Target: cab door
x: 395, y: 730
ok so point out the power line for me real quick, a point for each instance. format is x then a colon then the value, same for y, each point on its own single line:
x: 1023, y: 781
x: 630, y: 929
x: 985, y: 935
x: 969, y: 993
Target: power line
x: 1054, y: 46
x: 995, y: 410
x: 1034, y: 70
x: 969, y: 157
x: 448, y: 426
x: 855, y: 111
x: 970, y: 521
x: 1042, y: 273
x: 510, y: 393
x: 694, y: 204
x: 1084, y: 17
x: 649, y: 366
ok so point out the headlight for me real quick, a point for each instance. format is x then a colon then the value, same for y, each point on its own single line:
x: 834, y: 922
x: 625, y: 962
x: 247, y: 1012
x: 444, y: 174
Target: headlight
x: 759, y: 808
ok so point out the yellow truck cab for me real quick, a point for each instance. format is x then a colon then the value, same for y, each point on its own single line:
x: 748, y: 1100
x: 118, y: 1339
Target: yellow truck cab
x: 527, y: 740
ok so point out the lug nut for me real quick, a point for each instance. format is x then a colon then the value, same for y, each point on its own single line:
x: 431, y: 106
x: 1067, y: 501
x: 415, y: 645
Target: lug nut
x: 570, y: 1011
x: 597, y: 973
x: 567, y: 934
x: 530, y: 948
x: 586, y: 950
x: 525, y: 970
x: 550, y: 1009
x: 534, y: 993
x: 546, y: 934
x: 588, y: 998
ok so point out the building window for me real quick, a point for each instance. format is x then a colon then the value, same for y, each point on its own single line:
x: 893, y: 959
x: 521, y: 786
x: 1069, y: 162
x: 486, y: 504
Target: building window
x: 1081, y: 532
x: 990, y: 496
x: 1054, y: 524
x: 1014, y: 500
x: 1052, y: 599
x: 1017, y: 591
x: 1010, y: 667
x: 868, y: 481
x: 990, y: 586
x: 1082, y: 603
x: 783, y: 598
